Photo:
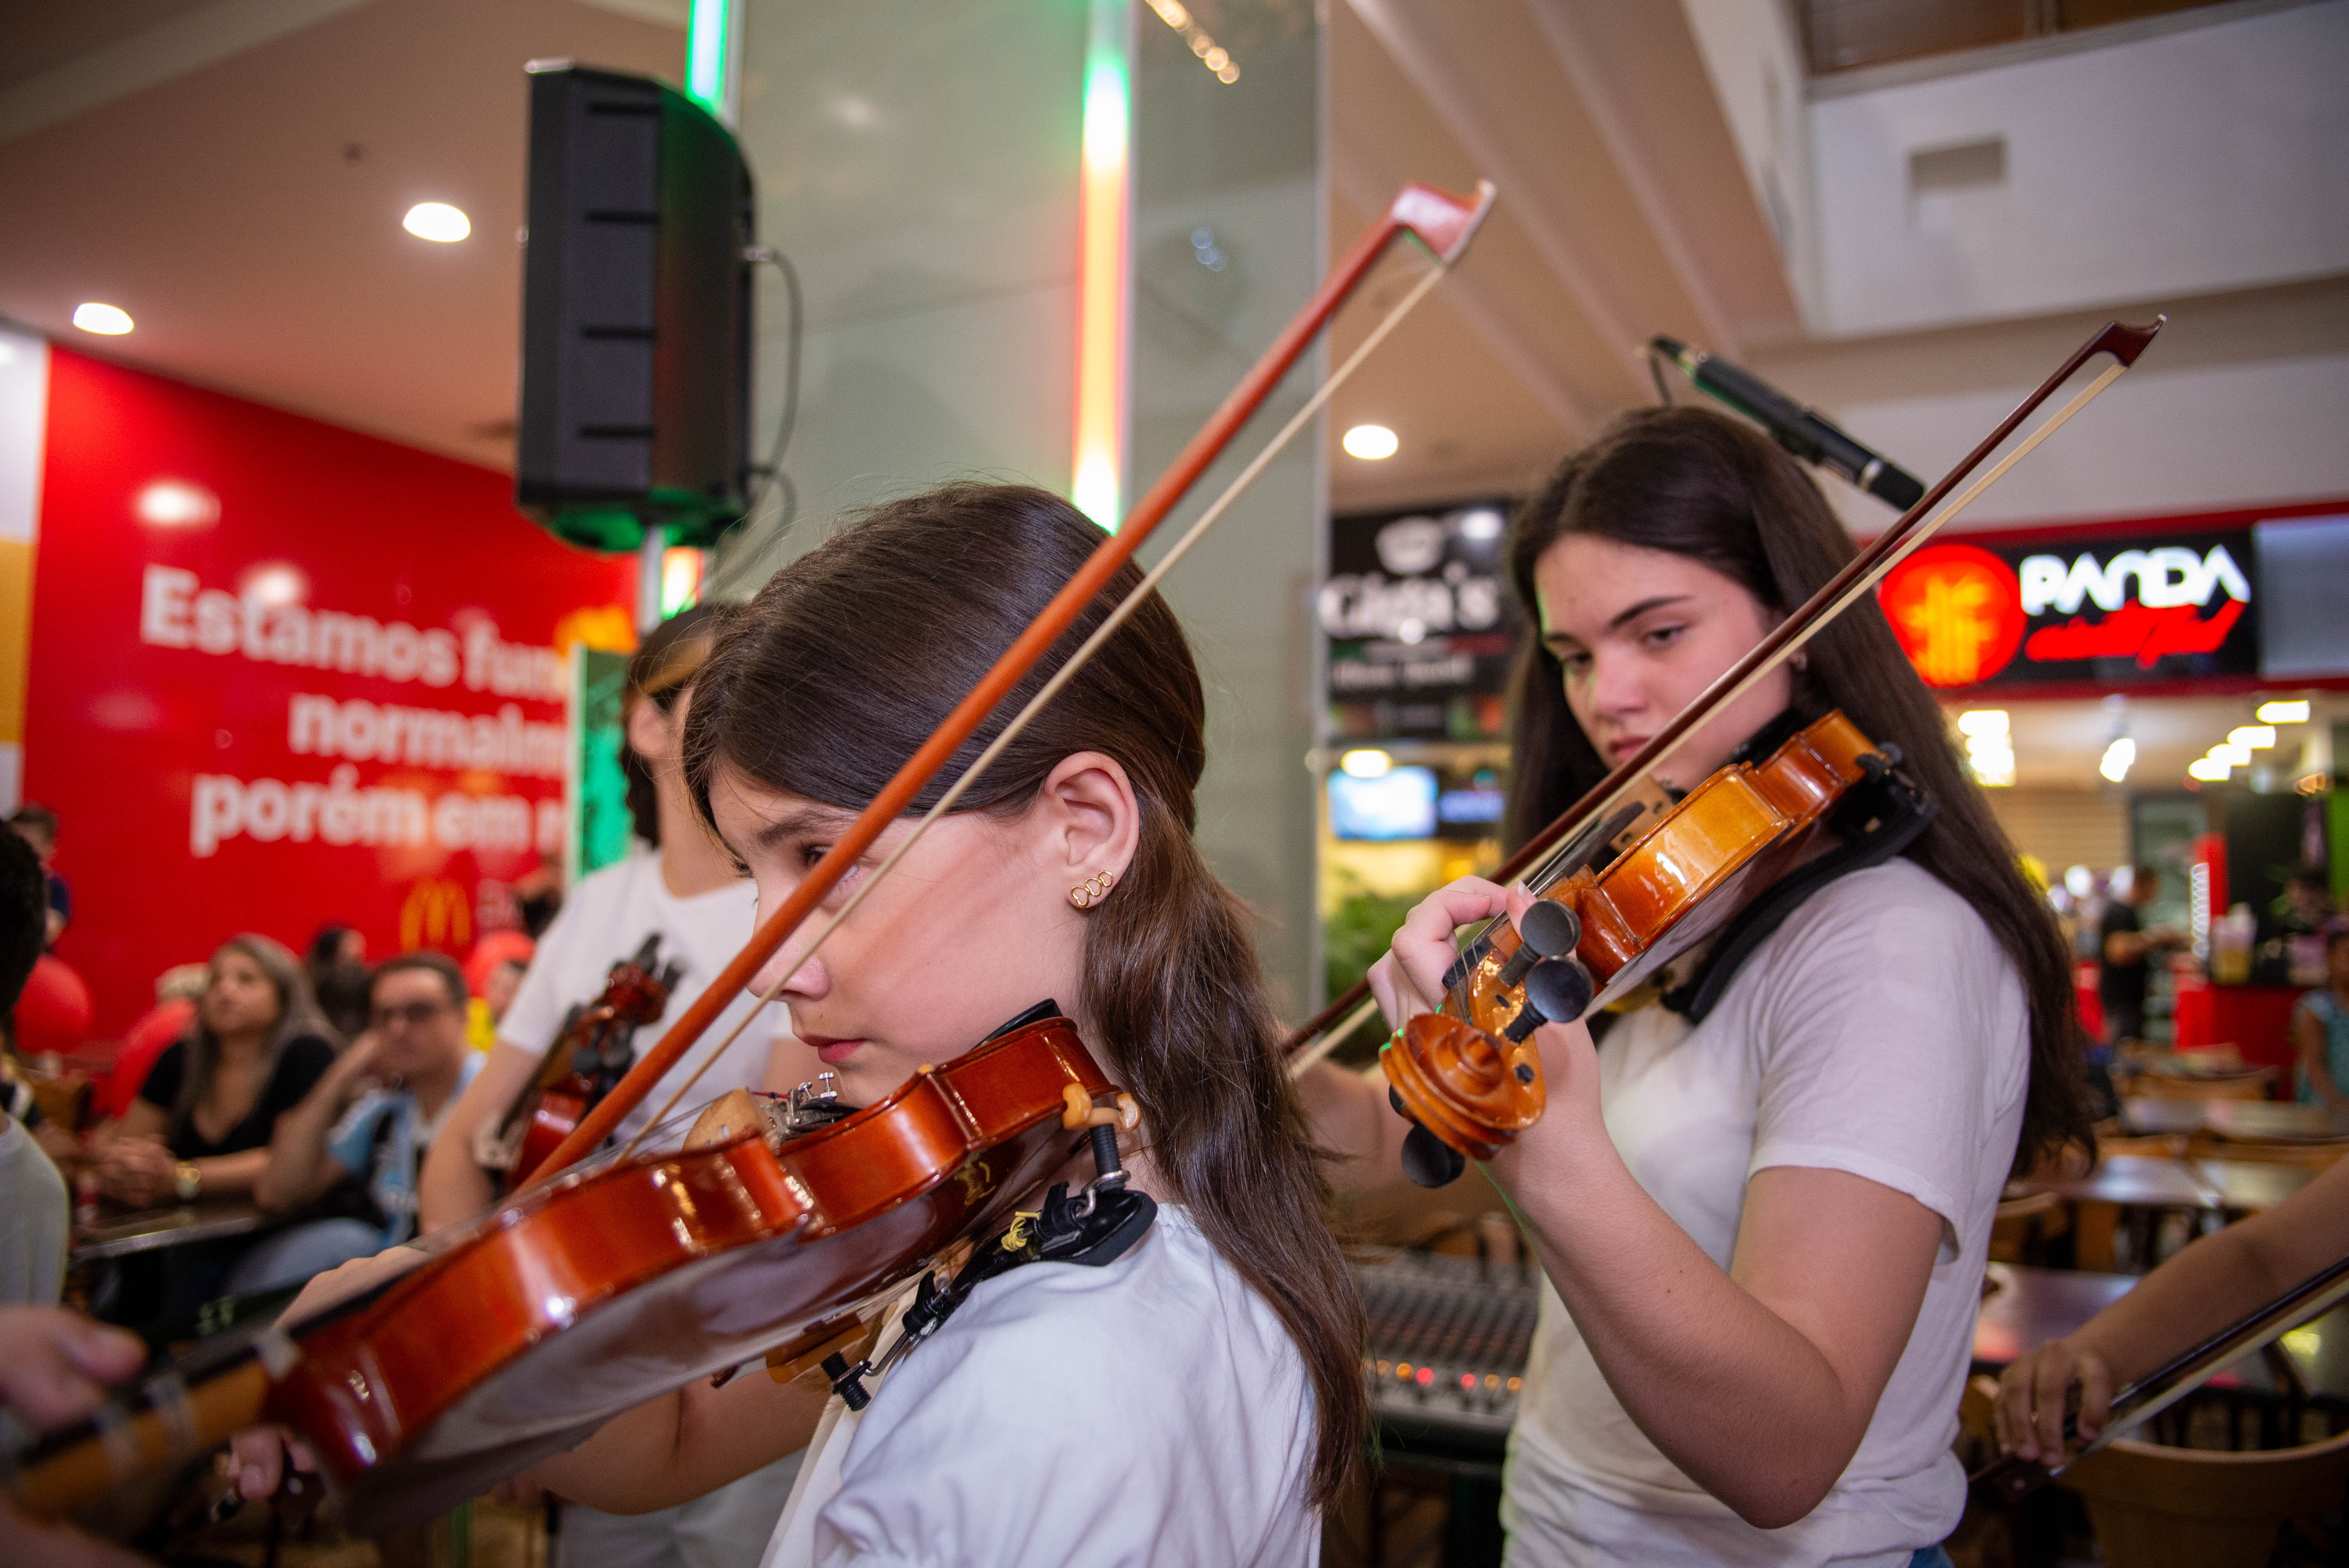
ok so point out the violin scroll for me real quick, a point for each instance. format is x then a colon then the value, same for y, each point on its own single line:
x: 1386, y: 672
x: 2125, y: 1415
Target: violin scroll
x: 1468, y: 1093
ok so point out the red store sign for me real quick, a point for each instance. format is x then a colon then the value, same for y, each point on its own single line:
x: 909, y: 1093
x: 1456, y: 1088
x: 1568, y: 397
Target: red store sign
x: 2164, y: 603
x: 283, y: 674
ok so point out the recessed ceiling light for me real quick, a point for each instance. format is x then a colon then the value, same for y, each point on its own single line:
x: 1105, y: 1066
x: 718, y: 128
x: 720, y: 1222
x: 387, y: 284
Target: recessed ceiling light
x: 436, y: 220
x: 108, y: 320
x: 2284, y: 712
x: 1371, y: 442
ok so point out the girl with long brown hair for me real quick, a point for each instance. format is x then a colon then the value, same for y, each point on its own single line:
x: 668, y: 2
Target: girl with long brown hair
x: 1197, y: 1399
x: 1764, y: 1226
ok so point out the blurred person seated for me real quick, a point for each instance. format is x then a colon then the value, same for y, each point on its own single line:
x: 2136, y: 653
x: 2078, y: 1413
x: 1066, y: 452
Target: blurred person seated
x: 176, y: 989
x: 34, y: 1210
x: 369, y: 1121
x: 36, y: 824
x: 201, y: 1124
x: 2320, y: 1032
x: 55, y: 1367
x: 493, y: 973
x: 338, y: 978
x: 2212, y: 1282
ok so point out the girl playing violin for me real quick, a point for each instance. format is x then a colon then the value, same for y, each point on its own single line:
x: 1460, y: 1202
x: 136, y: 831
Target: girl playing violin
x: 1199, y: 1399
x: 1764, y: 1233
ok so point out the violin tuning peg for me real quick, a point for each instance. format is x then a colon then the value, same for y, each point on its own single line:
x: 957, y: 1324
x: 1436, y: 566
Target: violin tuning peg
x: 1556, y: 990
x: 1547, y: 930
x: 1561, y: 988
x: 1429, y: 1161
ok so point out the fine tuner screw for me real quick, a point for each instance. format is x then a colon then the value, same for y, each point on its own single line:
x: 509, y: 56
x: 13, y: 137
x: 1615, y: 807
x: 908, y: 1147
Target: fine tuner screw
x: 1547, y: 930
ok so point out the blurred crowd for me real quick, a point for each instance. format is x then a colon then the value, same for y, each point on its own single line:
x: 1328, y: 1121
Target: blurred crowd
x: 299, y: 1094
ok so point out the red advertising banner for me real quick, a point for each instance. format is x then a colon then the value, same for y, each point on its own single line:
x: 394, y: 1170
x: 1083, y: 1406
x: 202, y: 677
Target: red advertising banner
x: 283, y: 674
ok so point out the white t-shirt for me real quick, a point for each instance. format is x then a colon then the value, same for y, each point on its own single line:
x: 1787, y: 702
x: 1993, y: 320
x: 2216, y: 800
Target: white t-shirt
x: 34, y: 1214
x: 1882, y: 1031
x: 602, y: 921
x: 1152, y: 1411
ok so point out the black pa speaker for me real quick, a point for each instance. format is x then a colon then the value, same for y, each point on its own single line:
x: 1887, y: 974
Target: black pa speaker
x: 636, y: 360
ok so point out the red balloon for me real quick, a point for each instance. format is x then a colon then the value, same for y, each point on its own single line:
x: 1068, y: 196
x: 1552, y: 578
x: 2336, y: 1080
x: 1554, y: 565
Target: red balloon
x: 53, y: 1014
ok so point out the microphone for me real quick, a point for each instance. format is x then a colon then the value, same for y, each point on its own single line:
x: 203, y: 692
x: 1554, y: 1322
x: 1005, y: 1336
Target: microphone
x: 1795, y: 427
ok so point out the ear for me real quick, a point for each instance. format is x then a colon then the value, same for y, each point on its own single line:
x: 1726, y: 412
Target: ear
x: 652, y: 734
x: 1091, y: 818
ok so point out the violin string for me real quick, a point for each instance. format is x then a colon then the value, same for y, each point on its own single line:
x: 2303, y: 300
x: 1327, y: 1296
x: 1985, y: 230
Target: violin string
x: 1863, y: 584
x: 1068, y: 671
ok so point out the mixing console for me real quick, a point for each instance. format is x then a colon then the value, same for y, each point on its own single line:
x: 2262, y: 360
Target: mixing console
x: 1449, y: 1338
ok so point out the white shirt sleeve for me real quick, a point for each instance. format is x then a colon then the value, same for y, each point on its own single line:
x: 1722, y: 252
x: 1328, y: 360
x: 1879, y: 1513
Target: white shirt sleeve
x: 534, y: 1016
x: 1893, y: 1033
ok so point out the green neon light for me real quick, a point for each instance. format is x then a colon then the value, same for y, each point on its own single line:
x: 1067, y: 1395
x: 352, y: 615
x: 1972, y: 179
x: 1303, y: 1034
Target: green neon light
x: 705, y: 56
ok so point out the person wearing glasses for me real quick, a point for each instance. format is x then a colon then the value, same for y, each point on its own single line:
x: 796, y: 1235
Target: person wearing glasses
x: 357, y: 1140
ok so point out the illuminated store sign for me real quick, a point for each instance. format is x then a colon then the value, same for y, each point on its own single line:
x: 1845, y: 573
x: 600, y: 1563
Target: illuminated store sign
x: 1420, y: 624
x: 2111, y: 611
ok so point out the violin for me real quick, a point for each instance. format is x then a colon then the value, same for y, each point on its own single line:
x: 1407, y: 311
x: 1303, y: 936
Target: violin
x: 1466, y: 1076
x: 590, y: 1054
x: 763, y: 1234
x: 1595, y: 934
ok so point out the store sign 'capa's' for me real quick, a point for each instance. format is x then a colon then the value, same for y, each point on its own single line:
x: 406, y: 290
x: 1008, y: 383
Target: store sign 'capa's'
x: 2116, y: 612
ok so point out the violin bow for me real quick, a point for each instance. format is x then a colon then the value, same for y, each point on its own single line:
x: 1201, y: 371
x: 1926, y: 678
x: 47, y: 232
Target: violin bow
x: 1442, y: 223
x: 1319, y: 1034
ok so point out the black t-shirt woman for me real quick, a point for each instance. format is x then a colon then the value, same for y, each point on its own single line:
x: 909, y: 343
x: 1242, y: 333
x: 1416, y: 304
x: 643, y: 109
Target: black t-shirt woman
x: 202, y: 1124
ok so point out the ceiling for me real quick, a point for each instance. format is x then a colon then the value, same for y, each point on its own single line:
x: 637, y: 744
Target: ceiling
x: 233, y: 172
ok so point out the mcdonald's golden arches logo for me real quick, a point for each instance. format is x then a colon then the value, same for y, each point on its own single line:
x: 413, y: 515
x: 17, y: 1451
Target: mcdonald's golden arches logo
x: 436, y: 914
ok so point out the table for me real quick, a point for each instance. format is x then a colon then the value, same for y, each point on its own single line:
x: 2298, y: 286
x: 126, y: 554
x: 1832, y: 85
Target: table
x: 2032, y: 1306
x: 2136, y: 1181
x: 2247, y: 1187
x: 2270, y: 1121
x: 151, y: 1229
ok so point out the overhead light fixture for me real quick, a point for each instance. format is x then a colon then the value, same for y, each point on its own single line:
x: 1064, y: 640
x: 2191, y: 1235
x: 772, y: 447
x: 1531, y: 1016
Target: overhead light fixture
x: 1367, y: 764
x: 2295, y: 712
x: 2258, y: 737
x: 2119, y: 756
x: 2233, y: 755
x: 1983, y: 721
x: 176, y: 503
x: 2209, y: 770
x: 438, y: 222
x: 105, y: 320
x: 1372, y: 444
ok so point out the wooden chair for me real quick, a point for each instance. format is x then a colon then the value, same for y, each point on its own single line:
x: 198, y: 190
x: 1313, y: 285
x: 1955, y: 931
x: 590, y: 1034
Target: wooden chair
x: 2195, y: 1508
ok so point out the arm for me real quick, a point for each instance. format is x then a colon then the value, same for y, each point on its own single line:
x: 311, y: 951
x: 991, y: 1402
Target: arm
x: 686, y: 1444
x: 1349, y: 1113
x: 54, y: 1368
x: 298, y: 1167
x: 135, y: 1167
x: 453, y: 1187
x: 1797, y: 1337
x: 2212, y: 1282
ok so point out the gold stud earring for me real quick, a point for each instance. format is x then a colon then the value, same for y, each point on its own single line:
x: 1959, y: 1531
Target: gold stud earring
x: 1091, y: 890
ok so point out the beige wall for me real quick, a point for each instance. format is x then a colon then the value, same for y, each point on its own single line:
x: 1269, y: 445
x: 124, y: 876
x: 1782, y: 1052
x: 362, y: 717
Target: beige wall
x: 2065, y: 826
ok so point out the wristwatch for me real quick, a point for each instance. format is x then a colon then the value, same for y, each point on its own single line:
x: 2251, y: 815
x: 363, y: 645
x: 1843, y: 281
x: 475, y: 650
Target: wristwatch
x: 187, y: 1181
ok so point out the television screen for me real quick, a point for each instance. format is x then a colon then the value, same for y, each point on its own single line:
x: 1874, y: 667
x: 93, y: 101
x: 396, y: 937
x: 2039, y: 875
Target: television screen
x: 1398, y: 803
